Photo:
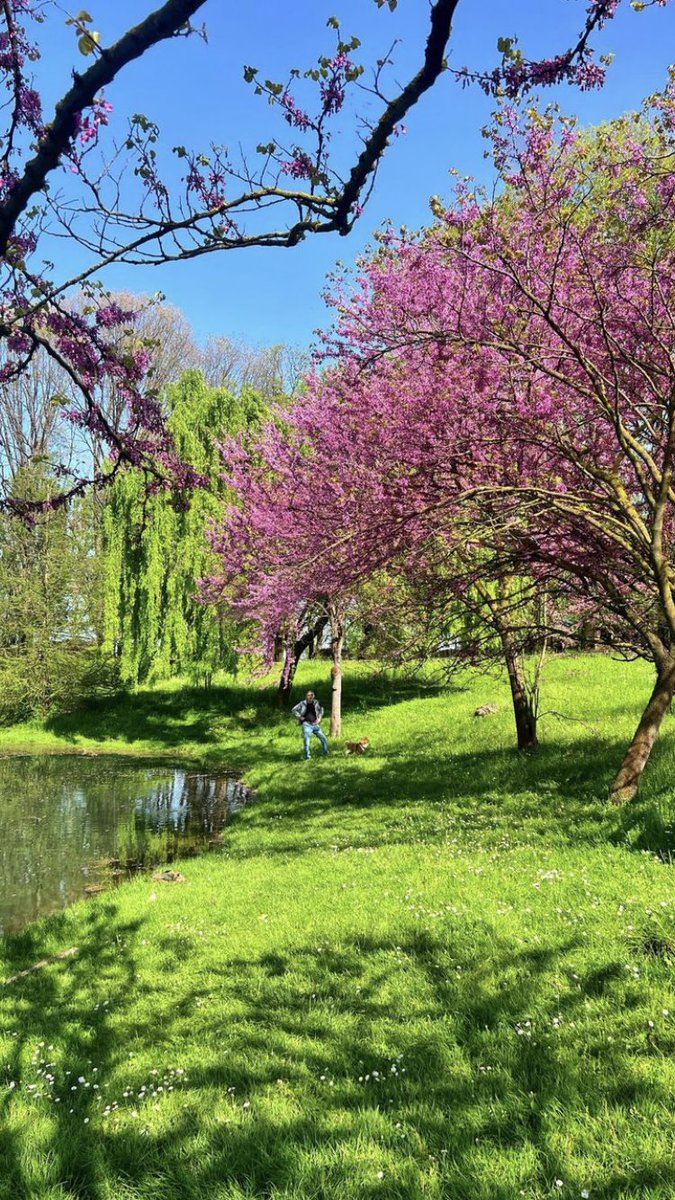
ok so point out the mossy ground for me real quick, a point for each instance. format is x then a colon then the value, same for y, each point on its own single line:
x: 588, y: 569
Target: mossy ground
x: 442, y: 970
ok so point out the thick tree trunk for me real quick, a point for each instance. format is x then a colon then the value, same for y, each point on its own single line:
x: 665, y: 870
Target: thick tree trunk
x: 337, y: 645
x: 627, y: 782
x: 524, y: 705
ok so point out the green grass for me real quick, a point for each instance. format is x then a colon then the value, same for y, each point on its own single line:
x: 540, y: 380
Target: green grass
x: 443, y: 970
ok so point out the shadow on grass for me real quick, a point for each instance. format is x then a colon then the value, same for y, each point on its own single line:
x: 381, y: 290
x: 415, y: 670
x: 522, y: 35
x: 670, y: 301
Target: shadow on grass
x: 46, y: 1021
x: 192, y: 713
x: 491, y: 797
x: 457, y: 1064
x: 168, y: 718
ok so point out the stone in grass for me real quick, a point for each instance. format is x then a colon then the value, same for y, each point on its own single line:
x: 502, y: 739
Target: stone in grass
x: 485, y: 710
x: 169, y: 877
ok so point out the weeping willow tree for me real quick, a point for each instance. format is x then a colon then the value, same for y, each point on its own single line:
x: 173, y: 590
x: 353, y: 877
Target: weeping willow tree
x: 156, y: 548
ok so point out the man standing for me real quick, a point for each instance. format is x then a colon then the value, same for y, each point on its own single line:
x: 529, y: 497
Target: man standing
x: 308, y: 713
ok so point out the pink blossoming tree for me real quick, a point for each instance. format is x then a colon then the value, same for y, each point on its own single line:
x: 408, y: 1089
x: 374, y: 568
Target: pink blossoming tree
x: 506, y: 389
x: 346, y: 486
x: 60, y: 175
x: 559, y: 303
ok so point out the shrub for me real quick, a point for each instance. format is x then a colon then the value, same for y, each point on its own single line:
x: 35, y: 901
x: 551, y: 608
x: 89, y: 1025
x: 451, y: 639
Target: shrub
x: 34, y: 683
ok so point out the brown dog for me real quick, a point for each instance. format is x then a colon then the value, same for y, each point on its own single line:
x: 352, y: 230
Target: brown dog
x: 357, y: 747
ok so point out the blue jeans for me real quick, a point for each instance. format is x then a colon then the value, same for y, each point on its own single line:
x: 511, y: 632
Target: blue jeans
x: 307, y: 731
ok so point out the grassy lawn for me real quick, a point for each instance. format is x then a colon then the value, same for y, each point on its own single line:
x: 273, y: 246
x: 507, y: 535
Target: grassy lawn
x: 443, y: 970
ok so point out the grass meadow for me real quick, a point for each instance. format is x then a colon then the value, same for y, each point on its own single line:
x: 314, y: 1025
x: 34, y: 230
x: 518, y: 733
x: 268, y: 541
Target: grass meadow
x: 441, y: 971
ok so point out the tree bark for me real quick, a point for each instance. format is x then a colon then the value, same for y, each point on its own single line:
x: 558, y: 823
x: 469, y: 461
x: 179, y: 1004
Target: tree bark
x: 313, y: 633
x: 287, y: 677
x: 337, y: 630
x: 627, y: 782
x: 524, y: 705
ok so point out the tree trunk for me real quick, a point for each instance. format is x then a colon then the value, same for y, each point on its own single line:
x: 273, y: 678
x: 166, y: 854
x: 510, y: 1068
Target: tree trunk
x: 288, y: 674
x: 524, y: 705
x: 627, y: 782
x: 337, y: 630
x: 287, y: 677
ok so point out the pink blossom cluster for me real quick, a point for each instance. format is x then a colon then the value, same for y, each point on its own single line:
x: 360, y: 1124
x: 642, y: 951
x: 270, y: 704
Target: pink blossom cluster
x: 16, y: 52
x: 333, y: 88
x: 293, y: 113
x: 518, y: 75
x: 299, y: 167
x: 207, y: 182
x: 87, y: 131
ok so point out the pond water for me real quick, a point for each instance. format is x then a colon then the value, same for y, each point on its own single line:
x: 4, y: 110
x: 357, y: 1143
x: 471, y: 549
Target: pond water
x: 73, y: 825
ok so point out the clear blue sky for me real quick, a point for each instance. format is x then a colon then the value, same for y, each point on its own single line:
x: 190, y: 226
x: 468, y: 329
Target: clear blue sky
x: 196, y: 93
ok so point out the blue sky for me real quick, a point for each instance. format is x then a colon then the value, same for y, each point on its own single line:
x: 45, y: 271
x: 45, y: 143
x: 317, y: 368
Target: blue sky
x: 196, y: 94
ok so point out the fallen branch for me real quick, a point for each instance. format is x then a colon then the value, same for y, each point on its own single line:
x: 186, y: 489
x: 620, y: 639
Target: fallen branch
x: 45, y: 962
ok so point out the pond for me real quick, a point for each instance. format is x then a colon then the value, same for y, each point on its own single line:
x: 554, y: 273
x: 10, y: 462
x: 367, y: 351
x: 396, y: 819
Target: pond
x: 74, y: 825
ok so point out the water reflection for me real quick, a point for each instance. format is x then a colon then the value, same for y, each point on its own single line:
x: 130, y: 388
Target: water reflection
x: 73, y: 825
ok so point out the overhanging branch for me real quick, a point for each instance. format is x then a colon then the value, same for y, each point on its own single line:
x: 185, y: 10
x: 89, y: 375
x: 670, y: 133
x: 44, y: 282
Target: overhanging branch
x: 159, y: 25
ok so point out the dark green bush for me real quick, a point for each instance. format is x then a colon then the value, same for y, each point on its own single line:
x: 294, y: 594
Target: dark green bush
x: 36, y: 684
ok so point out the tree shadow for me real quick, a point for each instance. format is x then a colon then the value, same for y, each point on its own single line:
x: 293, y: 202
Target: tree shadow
x: 167, y: 718
x: 49, y: 1016
x: 495, y: 796
x: 194, y: 714
x: 431, y: 1053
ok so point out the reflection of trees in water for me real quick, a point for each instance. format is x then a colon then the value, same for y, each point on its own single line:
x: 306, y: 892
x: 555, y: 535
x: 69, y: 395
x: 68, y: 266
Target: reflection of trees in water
x: 68, y: 819
x: 190, y: 803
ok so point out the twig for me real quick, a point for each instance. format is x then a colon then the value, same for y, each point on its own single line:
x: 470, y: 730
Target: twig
x: 564, y: 717
x: 45, y: 962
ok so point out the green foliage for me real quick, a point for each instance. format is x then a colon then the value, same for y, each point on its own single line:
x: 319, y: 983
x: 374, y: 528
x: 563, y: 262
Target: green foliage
x: 87, y: 39
x: 399, y: 618
x: 627, y: 131
x: 595, y: 194
x: 389, y: 621
x: 49, y: 605
x: 156, y: 547
x: 58, y: 681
